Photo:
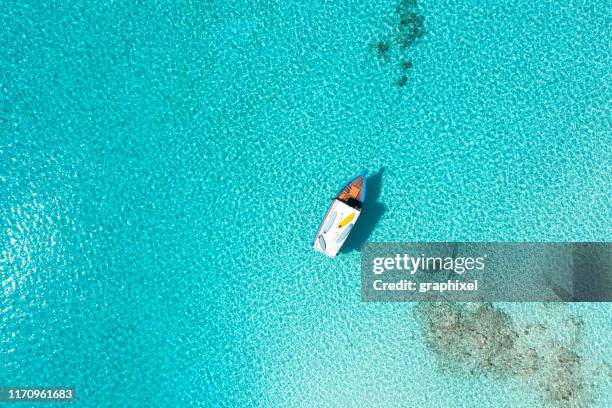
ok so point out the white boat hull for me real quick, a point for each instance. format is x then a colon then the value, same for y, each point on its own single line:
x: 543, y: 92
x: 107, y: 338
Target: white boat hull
x: 335, y: 228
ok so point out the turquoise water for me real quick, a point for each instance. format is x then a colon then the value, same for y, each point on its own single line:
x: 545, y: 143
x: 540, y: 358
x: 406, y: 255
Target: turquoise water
x: 164, y: 166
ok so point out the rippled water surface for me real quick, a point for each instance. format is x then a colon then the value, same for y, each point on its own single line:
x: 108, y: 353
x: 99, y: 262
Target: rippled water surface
x: 164, y: 166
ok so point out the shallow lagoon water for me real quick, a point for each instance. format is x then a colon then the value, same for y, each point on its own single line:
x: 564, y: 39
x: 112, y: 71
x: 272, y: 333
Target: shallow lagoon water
x: 163, y: 168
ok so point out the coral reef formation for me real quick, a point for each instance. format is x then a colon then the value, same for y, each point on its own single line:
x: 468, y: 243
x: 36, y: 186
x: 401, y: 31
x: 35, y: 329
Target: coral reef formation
x: 409, y: 26
x: 480, y: 339
x: 411, y: 23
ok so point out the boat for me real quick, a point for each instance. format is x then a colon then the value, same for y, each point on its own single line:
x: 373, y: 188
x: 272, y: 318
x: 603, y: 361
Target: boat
x: 341, y: 216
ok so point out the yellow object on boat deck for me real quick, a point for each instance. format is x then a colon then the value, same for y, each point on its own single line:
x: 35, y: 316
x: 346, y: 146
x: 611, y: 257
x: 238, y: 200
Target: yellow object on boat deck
x: 346, y: 220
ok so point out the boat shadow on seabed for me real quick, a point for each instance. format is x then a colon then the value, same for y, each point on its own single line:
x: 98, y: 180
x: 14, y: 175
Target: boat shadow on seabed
x: 371, y: 213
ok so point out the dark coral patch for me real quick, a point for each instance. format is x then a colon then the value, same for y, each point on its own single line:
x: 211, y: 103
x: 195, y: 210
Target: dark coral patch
x: 406, y: 65
x: 411, y: 23
x: 477, y: 339
x: 482, y: 339
x: 382, y: 49
x: 402, y: 81
x: 409, y: 27
x: 565, y: 383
